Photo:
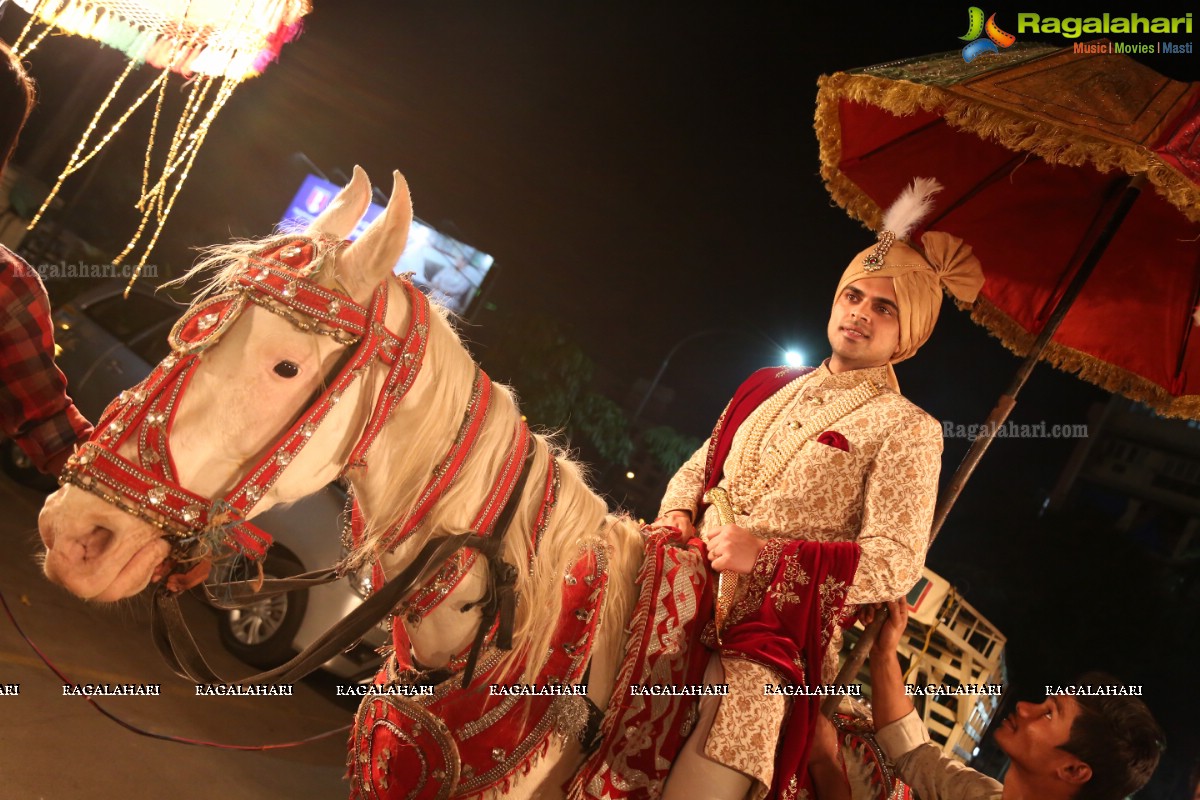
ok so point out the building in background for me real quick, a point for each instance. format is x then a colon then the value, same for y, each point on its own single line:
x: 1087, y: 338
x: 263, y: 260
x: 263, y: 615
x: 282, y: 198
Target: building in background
x: 1142, y: 471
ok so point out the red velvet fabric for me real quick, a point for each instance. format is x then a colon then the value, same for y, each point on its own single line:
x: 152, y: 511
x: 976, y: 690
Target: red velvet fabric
x: 750, y: 395
x: 782, y: 635
x: 834, y: 439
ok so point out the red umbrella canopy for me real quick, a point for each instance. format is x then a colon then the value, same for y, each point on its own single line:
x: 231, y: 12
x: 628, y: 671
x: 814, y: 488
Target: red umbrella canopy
x: 1033, y: 146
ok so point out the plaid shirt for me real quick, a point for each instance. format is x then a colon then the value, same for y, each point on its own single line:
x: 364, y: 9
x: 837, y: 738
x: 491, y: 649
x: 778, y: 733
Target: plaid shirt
x: 34, y: 408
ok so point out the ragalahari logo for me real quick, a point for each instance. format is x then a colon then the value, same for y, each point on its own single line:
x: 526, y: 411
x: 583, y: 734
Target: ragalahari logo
x: 976, y: 27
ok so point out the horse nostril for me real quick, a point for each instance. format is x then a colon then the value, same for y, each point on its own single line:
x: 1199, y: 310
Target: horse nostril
x: 94, y: 543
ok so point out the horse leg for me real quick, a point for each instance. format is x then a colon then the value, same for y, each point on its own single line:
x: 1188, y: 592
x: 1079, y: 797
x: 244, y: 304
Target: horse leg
x: 694, y: 774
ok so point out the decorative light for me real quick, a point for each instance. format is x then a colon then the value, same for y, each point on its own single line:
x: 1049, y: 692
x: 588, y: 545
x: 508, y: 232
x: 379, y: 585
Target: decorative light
x: 213, y: 44
x: 793, y: 358
x: 630, y: 475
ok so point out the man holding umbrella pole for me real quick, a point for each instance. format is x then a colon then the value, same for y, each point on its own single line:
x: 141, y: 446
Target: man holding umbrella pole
x: 823, y: 484
x: 1095, y: 744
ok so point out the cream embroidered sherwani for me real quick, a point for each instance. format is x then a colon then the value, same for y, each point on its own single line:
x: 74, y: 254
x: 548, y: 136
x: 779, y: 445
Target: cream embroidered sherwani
x: 880, y: 494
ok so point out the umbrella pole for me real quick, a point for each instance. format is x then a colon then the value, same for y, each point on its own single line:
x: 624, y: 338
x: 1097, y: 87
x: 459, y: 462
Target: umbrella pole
x: 1130, y: 189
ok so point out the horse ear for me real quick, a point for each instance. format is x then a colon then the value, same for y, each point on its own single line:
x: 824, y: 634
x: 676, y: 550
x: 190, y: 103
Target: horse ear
x: 371, y: 257
x: 346, y: 209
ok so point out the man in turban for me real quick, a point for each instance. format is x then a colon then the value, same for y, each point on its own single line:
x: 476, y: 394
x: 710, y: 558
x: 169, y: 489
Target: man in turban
x: 831, y: 475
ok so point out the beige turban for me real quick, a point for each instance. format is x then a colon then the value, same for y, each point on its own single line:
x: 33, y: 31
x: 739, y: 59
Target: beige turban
x: 918, y: 280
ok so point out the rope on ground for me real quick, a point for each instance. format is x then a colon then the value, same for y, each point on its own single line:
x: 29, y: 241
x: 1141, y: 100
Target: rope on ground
x: 166, y: 737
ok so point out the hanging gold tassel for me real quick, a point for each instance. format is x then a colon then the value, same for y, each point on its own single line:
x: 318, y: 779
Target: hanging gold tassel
x: 156, y: 203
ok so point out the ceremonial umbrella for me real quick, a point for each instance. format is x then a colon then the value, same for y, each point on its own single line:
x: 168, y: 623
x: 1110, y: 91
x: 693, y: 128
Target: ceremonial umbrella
x: 214, y: 45
x: 1043, y: 153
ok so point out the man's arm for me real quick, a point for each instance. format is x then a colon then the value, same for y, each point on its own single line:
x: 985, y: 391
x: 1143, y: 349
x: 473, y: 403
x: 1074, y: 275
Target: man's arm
x: 888, y: 701
x: 901, y: 734
x: 825, y: 763
x: 683, y: 492
x: 34, y: 408
x: 898, y: 506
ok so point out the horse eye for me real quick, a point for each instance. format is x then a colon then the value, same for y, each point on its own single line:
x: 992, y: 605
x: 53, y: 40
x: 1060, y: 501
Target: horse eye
x: 286, y: 369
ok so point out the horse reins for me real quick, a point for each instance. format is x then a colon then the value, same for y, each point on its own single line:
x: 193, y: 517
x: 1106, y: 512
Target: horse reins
x: 276, y: 279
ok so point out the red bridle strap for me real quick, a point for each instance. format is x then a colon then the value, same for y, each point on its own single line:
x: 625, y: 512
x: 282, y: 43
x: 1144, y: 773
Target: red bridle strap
x: 446, y: 472
x: 275, y: 279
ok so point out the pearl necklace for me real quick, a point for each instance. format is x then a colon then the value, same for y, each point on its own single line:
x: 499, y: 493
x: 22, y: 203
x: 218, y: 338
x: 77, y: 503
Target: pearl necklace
x: 756, y: 469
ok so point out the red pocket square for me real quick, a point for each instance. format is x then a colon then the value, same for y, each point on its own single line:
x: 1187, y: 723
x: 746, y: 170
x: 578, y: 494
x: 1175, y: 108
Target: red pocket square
x: 834, y: 439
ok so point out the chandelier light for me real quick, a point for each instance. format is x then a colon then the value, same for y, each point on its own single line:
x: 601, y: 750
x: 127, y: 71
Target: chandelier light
x: 214, y: 45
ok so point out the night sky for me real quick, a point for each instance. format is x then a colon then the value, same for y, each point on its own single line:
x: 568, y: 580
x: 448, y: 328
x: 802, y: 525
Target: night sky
x: 641, y: 172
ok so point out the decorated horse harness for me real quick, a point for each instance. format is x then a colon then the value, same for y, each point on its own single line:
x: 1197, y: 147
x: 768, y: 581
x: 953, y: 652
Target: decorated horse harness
x: 449, y: 742
x: 277, y: 279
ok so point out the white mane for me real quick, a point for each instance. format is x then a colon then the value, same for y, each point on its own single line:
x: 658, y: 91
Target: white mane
x: 416, y: 439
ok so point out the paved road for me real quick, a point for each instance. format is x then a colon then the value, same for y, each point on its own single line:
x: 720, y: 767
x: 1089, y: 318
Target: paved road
x: 60, y: 748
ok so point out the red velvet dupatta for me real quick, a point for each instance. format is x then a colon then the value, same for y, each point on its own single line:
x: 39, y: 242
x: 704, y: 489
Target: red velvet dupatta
x: 753, y: 392
x: 794, y: 596
x: 785, y: 620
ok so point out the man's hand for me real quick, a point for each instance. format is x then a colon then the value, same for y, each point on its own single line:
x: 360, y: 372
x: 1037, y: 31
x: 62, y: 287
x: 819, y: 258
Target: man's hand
x: 888, y: 700
x: 825, y: 762
x: 890, y: 634
x: 734, y: 549
x: 677, y: 518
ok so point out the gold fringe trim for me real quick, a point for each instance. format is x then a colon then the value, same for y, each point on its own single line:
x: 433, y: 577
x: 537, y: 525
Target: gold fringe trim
x: 828, y: 126
x: 1049, y: 141
x: 1094, y: 370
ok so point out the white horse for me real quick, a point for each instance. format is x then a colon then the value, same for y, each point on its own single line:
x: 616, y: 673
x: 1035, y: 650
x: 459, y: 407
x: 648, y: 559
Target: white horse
x: 244, y: 392
x: 436, y: 463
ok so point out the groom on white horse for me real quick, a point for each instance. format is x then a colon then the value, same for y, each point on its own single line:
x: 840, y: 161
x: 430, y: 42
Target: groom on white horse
x: 817, y: 465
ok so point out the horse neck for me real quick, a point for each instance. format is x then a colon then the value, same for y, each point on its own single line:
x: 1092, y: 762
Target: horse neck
x: 417, y: 438
x: 419, y: 431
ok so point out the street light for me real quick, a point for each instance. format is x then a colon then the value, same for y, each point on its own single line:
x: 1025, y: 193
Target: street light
x: 788, y: 355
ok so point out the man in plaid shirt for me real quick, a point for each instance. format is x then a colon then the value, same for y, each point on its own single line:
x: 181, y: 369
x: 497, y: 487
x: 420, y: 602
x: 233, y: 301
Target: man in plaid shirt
x: 34, y: 408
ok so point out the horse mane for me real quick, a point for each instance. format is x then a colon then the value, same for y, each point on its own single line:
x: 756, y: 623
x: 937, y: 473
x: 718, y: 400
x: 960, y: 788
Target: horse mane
x: 580, y: 518
x: 218, y: 267
x: 417, y: 437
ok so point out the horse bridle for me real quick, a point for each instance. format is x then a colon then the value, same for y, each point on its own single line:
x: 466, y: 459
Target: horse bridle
x: 275, y: 279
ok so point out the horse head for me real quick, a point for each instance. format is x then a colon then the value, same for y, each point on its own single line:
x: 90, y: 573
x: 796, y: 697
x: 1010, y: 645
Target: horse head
x: 232, y: 404
x: 305, y: 359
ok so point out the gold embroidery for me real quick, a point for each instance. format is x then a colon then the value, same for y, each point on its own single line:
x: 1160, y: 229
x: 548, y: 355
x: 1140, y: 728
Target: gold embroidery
x: 783, y: 596
x: 756, y: 583
x: 833, y: 595
x: 783, y: 591
x: 794, y: 573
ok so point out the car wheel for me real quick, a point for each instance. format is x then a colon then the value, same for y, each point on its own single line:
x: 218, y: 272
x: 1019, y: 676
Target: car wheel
x: 261, y: 633
x: 19, y: 467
